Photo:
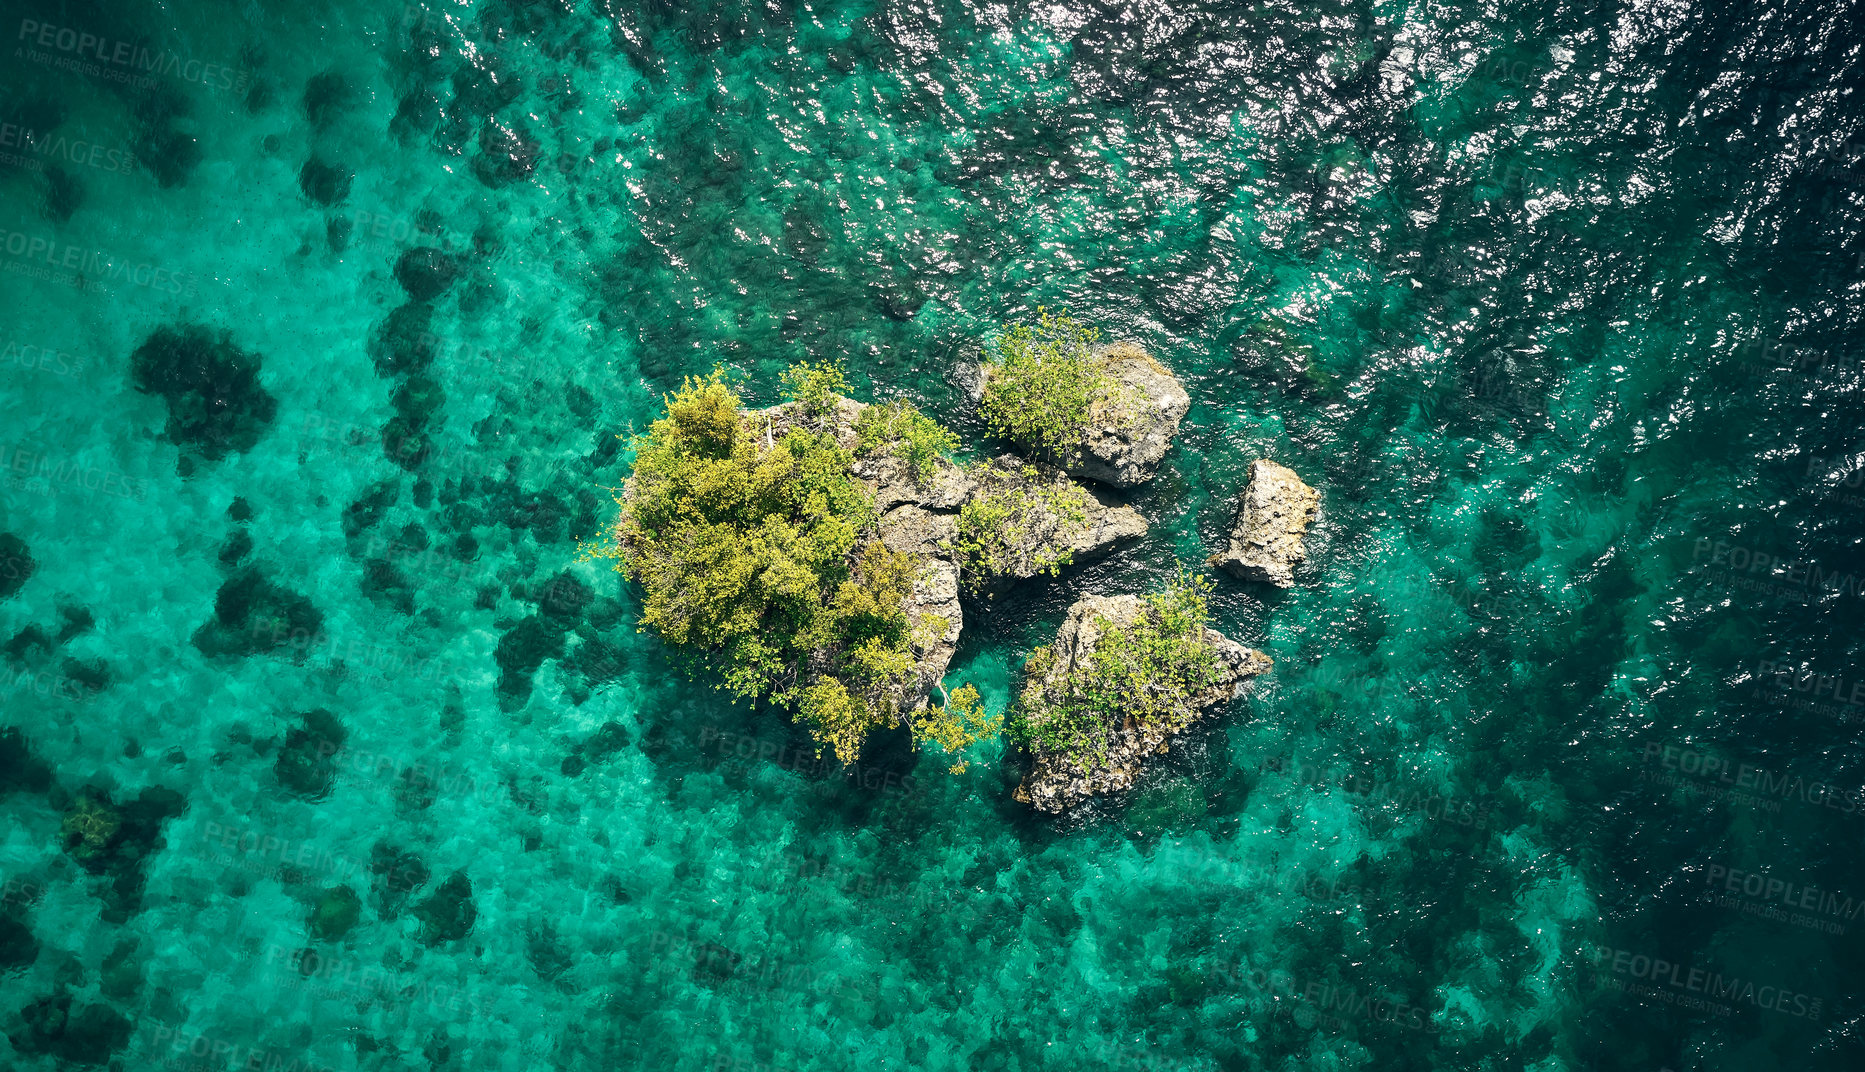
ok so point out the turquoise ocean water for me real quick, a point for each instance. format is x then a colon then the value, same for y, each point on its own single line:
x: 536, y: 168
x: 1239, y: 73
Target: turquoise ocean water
x: 326, y: 748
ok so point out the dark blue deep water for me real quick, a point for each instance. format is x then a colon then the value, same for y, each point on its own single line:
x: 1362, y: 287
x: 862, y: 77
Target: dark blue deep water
x: 327, y: 745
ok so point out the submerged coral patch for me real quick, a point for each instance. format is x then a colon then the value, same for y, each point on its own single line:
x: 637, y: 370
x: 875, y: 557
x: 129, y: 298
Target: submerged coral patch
x: 425, y: 273
x: 253, y: 615
x: 216, y: 404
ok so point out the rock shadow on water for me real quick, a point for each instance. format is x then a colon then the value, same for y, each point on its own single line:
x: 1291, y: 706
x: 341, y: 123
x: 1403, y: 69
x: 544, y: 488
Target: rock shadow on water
x: 426, y: 272
x: 169, y: 152
x: 64, y: 194
x: 368, y: 510
x: 507, y: 153
x: 395, y: 874
x: 21, y: 769
x: 548, y: 954
x: 740, y: 742
x: 449, y: 913
x: 327, y: 96
x: 385, y: 583
x: 19, y: 947
x: 565, y: 606
x: 16, y: 565
x: 611, y: 737
x: 404, y: 343
x: 337, y: 911
x: 324, y: 184
x: 72, y: 1032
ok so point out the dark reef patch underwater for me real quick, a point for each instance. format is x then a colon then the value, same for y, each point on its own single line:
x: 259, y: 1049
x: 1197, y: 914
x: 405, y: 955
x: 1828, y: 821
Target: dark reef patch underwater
x: 327, y: 744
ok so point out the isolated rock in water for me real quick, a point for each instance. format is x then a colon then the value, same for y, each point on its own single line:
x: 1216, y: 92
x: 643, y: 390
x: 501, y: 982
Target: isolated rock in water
x: 969, y: 375
x: 1059, y: 779
x: 1129, y: 432
x: 1266, y: 539
x: 1031, y: 519
x: 75, y: 1034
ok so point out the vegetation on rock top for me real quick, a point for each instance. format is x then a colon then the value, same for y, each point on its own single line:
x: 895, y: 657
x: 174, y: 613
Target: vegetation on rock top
x: 1010, y: 528
x: 1041, y: 390
x: 900, y: 429
x: 1149, y: 670
x: 760, y: 558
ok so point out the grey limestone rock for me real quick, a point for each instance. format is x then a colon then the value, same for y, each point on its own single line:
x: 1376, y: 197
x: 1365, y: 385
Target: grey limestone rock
x: 1266, y: 538
x: 1057, y: 782
x: 1130, y: 430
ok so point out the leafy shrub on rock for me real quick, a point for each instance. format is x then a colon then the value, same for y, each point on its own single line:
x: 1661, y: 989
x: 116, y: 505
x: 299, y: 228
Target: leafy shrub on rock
x: 760, y: 559
x: 1151, y: 670
x: 1017, y: 523
x: 899, y: 428
x: 1040, y: 391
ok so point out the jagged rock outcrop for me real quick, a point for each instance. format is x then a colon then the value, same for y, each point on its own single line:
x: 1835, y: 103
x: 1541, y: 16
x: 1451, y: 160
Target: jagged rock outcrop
x: 1272, y: 516
x: 1130, y: 430
x: 920, y: 517
x: 912, y: 529
x: 917, y: 517
x: 1058, y: 781
x: 1039, y: 517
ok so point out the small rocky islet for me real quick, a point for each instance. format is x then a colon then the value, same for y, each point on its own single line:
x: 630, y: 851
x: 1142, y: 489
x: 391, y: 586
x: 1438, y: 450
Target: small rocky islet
x: 816, y: 553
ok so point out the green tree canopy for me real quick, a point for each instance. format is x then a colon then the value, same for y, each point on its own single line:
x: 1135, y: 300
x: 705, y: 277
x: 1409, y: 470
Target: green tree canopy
x: 1040, y: 390
x: 762, y: 562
